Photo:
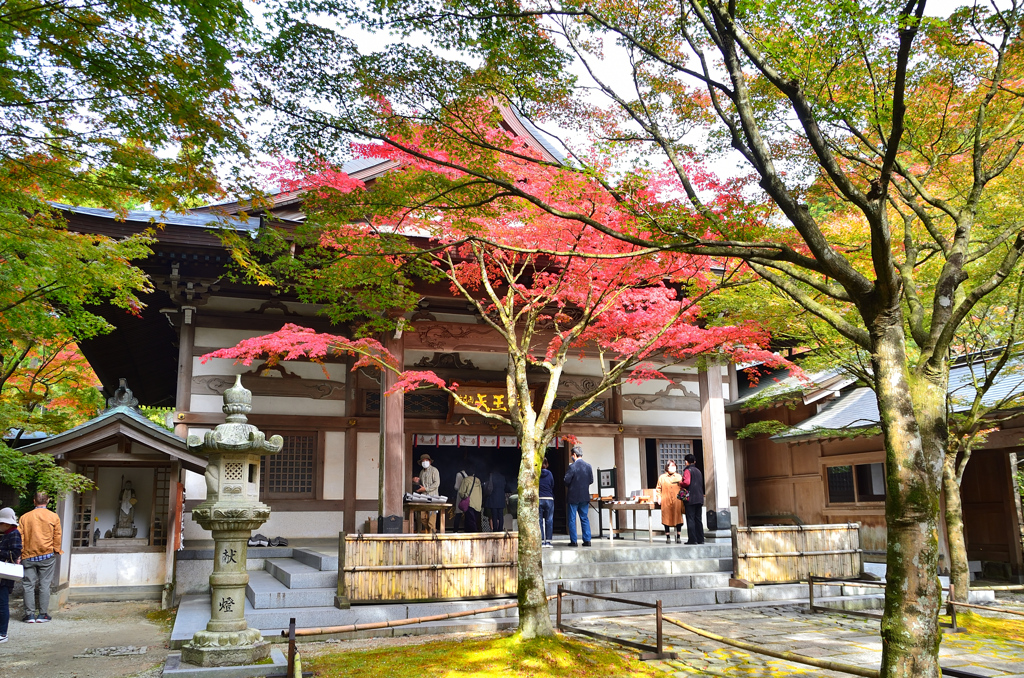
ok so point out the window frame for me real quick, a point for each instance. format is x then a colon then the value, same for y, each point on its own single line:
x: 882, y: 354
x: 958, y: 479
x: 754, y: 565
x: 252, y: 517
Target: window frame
x: 680, y: 463
x: 316, y: 493
x: 851, y: 460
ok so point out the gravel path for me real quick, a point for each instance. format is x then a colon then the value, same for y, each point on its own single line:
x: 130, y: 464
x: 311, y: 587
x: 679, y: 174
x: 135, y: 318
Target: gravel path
x: 36, y: 650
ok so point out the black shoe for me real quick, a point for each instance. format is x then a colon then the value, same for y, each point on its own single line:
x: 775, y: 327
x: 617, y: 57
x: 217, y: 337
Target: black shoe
x: 259, y: 540
x: 573, y: 544
x: 43, y: 618
x: 29, y: 619
x: 279, y: 541
x: 586, y: 543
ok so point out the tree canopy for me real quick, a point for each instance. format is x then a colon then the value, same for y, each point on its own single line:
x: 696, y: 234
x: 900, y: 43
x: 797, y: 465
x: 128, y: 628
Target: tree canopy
x: 875, y: 152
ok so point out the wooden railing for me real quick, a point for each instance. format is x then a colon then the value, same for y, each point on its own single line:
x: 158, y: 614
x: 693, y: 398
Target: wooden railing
x: 376, y: 568
x: 779, y: 554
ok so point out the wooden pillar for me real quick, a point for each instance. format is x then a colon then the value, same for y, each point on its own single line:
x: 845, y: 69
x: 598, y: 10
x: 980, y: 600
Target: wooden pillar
x: 349, y: 492
x: 1015, y: 525
x: 619, y: 442
x: 186, y: 341
x: 712, y: 429
x: 393, y: 424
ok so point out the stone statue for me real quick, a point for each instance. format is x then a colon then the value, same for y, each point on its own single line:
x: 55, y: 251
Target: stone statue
x: 125, y: 528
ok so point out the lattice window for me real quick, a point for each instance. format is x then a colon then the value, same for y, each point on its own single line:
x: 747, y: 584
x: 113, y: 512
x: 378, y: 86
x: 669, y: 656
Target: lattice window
x: 291, y: 473
x: 674, y: 450
x: 161, y: 506
x: 595, y: 411
x: 81, y: 532
x: 417, y: 405
x: 840, y: 485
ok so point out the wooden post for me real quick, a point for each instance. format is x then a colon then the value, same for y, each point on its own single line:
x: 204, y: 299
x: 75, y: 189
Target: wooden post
x: 183, y: 394
x: 341, y: 600
x: 810, y: 592
x: 952, y: 608
x: 558, y: 607
x: 657, y: 613
x: 393, y: 433
x: 291, y: 647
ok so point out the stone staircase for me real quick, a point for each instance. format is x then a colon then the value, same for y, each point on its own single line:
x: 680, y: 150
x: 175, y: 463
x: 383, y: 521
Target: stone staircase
x: 678, y: 575
x: 304, y: 585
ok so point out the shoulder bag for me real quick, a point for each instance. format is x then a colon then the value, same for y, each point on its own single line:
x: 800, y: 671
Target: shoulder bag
x: 12, y: 571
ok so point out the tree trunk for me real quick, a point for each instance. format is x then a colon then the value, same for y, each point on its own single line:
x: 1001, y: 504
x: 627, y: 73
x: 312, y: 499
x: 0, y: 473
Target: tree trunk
x: 534, y: 618
x: 913, y: 415
x: 959, y: 573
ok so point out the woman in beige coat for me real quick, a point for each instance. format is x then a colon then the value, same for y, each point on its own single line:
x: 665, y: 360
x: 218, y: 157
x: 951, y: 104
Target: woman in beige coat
x: 671, y: 507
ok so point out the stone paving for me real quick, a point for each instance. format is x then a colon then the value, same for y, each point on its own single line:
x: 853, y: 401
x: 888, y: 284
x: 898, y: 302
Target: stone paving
x: 836, y: 637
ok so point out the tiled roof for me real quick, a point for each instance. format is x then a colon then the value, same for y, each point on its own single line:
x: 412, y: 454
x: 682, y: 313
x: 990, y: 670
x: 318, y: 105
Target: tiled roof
x: 170, y: 218
x: 122, y: 411
x: 782, y: 383
x: 858, y: 408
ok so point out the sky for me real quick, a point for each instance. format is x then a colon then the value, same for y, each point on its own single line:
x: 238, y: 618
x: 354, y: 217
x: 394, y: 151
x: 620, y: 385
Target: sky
x: 614, y: 69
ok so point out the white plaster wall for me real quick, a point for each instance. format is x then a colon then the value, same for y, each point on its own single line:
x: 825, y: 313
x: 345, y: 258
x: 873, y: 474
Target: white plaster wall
x: 631, y: 451
x: 287, y: 524
x: 587, y: 367
x: 274, y: 405
x: 367, y: 465
x: 653, y: 386
x: 334, y: 465
x: 222, y: 338
x: 660, y: 418
x: 599, y: 453
x: 118, y: 569
x: 109, y: 493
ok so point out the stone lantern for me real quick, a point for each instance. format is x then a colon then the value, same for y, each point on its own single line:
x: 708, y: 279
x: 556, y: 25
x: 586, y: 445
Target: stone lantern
x: 232, y: 510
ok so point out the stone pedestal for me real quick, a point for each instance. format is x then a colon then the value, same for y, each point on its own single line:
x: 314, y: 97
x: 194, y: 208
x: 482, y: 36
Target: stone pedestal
x: 232, y: 510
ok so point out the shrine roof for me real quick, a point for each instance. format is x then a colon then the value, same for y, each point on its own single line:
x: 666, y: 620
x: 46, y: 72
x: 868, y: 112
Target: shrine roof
x: 857, y: 408
x: 115, y: 422
x: 782, y: 386
x: 201, y: 220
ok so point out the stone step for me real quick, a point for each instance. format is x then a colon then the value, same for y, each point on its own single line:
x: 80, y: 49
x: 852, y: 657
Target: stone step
x: 635, y: 568
x: 671, y: 582
x: 692, y: 598
x: 600, y: 553
x: 296, y: 575
x: 266, y: 592
x: 316, y: 560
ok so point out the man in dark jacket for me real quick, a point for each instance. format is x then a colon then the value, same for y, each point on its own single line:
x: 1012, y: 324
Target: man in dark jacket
x: 693, y: 481
x: 578, y: 480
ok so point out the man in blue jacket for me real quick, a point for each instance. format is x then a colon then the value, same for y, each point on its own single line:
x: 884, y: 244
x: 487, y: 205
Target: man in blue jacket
x: 578, y: 480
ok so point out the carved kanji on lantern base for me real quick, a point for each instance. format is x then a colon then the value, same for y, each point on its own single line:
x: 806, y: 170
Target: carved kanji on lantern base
x: 232, y: 510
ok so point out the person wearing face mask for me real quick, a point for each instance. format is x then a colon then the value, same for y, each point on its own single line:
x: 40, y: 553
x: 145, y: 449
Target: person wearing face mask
x: 429, y: 480
x: 671, y: 506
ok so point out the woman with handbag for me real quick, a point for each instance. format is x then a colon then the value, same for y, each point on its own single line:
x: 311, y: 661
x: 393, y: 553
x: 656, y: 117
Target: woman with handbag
x: 10, y: 552
x: 471, y: 501
x: 669, y: 487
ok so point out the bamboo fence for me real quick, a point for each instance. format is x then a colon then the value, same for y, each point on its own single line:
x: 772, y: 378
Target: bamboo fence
x: 778, y: 554
x: 429, y: 567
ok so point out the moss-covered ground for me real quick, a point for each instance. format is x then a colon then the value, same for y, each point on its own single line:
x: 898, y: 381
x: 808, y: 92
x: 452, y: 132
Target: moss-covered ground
x: 495, y: 657
x: 990, y: 627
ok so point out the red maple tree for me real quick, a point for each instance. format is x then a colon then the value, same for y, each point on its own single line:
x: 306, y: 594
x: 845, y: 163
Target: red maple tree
x: 553, y: 289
